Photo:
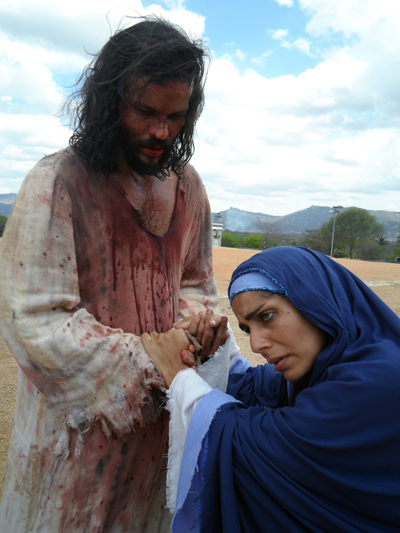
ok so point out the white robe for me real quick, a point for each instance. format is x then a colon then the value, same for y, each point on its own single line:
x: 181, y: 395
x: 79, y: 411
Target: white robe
x: 81, y: 278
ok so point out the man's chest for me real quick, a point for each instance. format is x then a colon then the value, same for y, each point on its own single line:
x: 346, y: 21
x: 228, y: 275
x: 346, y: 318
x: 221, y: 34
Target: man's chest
x: 155, y: 211
x: 154, y: 201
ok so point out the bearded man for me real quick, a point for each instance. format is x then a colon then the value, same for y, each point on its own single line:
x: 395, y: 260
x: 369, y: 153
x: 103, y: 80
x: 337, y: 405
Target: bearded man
x: 108, y: 239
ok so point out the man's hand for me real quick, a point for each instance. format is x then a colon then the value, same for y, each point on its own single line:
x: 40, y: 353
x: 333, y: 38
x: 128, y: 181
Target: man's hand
x: 209, y: 330
x: 165, y: 350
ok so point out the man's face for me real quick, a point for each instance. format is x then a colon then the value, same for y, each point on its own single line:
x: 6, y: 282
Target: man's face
x: 151, y: 120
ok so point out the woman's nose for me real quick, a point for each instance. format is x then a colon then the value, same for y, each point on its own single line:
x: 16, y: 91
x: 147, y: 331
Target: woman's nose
x: 259, y: 341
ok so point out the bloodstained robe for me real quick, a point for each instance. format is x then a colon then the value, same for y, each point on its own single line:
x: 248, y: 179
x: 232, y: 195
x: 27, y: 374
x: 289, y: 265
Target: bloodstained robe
x: 81, y: 279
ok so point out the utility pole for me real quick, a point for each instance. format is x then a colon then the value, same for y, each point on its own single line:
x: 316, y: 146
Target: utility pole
x: 335, y: 210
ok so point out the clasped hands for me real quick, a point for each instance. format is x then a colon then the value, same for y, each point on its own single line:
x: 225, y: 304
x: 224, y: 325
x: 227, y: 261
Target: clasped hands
x: 172, y: 351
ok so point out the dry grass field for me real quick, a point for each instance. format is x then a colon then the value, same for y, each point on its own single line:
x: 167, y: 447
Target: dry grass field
x: 384, y: 279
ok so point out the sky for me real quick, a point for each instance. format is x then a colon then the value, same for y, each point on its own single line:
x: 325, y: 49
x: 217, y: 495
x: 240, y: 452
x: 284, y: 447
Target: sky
x: 302, y: 96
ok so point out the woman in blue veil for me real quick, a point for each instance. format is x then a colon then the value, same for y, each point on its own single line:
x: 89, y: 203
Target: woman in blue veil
x: 309, y: 442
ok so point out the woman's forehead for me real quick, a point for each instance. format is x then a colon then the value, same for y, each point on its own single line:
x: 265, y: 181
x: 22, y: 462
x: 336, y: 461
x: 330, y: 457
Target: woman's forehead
x: 249, y: 301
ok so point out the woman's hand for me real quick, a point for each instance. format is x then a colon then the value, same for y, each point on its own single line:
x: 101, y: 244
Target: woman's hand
x: 165, y: 350
x: 210, y: 332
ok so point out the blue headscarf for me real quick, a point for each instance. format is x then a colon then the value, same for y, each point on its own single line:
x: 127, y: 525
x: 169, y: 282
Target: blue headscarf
x: 331, y: 297
x: 331, y: 461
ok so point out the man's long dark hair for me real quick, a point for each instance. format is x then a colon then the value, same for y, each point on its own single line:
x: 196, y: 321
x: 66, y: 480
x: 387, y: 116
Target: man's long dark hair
x: 154, y: 51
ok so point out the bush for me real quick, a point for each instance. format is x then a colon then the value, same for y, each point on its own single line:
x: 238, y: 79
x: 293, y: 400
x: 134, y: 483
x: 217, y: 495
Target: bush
x: 230, y: 240
x: 255, y: 242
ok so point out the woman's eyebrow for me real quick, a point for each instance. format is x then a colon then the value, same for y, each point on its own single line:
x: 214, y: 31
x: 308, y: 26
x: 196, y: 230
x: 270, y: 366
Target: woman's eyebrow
x: 250, y: 315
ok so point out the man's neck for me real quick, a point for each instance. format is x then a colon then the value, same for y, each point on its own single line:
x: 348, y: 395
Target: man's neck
x: 153, y: 199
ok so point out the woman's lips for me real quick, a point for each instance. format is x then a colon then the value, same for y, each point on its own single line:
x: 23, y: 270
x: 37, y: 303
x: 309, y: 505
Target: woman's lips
x: 152, y: 152
x: 280, y: 363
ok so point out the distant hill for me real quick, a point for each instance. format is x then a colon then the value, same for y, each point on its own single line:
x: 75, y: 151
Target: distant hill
x: 313, y: 217
x: 6, y: 203
x: 236, y: 219
x: 8, y: 198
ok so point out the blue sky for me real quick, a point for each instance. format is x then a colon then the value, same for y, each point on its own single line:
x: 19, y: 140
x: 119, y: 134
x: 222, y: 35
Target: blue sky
x: 303, y: 96
x: 249, y: 27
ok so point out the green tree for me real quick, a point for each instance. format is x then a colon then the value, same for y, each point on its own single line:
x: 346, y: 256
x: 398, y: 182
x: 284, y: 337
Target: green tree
x: 382, y: 243
x: 369, y: 250
x: 3, y: 221
x: 230, y: 240
x: 354, y: 227
x: 319, y: 239
x: 254, y: 241
x: 271, y: 243
x: 396, y: 247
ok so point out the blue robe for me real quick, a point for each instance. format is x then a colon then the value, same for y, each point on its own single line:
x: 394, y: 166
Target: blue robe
x: 322, y: 459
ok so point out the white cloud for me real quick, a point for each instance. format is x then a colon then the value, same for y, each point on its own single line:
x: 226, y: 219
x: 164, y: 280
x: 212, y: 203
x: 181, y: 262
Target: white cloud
x: 260, y: 60
x: 192, y: 23
x: 280, y: 145
x: 74, y: 26
x: 174, y: 4
x: 27, y: 74
x: 288, y: 3
x: 303, y: 45
x: 328, y: 135
x: 355, y: 17
x: 279, y: 35
x: 41, y: 41
x: 24, y: 139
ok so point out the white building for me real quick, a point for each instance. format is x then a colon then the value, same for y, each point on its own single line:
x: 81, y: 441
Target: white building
x: 217, y: 233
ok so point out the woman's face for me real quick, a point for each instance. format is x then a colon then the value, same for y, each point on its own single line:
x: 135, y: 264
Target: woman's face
x: 279, y: 332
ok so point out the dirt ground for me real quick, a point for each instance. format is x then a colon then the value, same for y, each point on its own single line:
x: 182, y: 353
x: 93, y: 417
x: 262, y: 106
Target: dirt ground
x: 384, y: 279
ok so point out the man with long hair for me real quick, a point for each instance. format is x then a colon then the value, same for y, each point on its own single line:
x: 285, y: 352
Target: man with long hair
x: 108, y: 239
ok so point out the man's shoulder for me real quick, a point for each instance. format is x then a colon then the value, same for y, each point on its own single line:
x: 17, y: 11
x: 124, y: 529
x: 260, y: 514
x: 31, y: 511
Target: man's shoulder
x: 190, y: 173
x: 65, y: 157
x: 191, y: 178
x: 195, y: 192
x: 64, y: 165
x: 60, y: 169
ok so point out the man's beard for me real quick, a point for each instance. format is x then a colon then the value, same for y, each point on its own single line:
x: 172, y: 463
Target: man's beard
x: 132, y: 150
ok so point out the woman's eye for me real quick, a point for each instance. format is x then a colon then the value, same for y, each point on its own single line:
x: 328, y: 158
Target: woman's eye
x: 266, y: 316
x: 245, y: 329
